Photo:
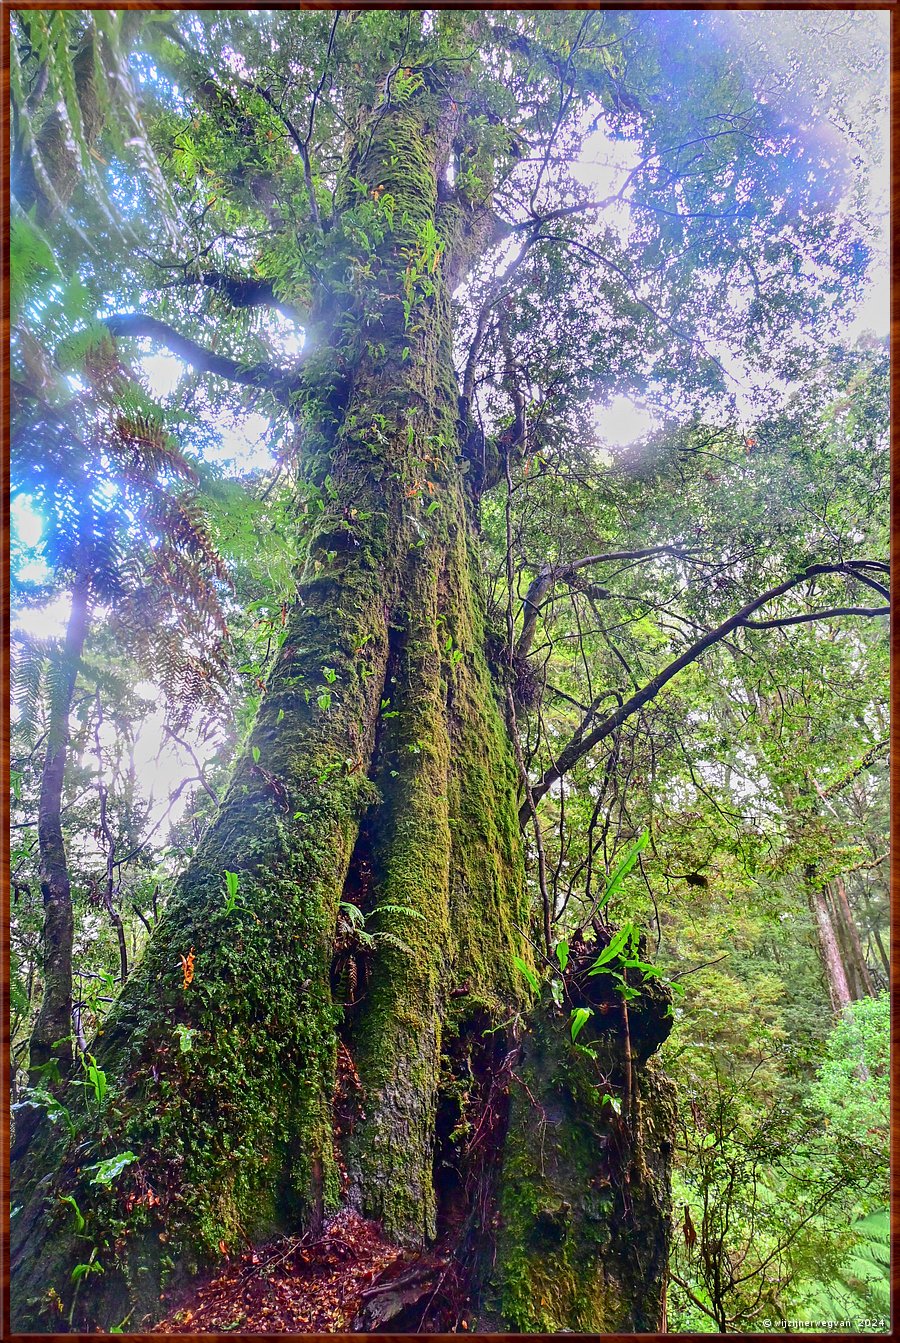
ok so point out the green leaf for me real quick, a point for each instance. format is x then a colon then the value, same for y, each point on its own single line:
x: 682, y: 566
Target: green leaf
x: 96, y: 1077
x: 580, y: 1015
x: 111, y: 1168
x: 82, y: 1270
x: 529, y: 974
x: 76, y: 1211
x: 621, y: 872
x: 647, y: 970
x: 185, y: 1038
x: 231, y: 882
x: 255, y: 750
x: 617, y: 944
x: 562, y: 955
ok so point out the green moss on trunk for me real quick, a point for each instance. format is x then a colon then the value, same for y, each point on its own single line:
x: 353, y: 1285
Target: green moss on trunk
x: 235, y: 1134
x: 584, y: 1202
x: 220, y: 1054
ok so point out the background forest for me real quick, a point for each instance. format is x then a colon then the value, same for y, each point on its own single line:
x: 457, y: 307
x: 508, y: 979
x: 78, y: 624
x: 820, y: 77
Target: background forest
x: 673, y: 424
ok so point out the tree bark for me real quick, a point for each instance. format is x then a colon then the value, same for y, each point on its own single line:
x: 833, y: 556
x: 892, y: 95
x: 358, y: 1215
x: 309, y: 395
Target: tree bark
x: 380, y: 773
x: 855, y: 967
x: 584, y: 1193
x: 829, y: 950
x: 51, y: 1037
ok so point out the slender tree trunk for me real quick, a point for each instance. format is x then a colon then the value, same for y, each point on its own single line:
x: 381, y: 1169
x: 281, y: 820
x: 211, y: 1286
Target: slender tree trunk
x: 857, y: 972
x: 829, y: 950
x: 379, y: 772
x: 885, y: 962
x: 51, y: 1037
x: 109, y: 840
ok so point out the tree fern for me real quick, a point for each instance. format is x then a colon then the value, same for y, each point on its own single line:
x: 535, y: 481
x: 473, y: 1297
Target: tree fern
x: 861, y: 1283
x: 70, y: 86
x: 61, y: 669
x: 30, y: 256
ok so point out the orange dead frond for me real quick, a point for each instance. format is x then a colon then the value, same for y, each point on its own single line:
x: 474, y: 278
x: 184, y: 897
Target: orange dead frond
x: 187, y: 966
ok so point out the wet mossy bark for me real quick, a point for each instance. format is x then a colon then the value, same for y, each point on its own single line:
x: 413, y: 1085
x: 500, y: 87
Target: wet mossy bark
x: 220, y: 1053
x: 446, y: 845
x: 584, y: 1206
x: 380, y: 715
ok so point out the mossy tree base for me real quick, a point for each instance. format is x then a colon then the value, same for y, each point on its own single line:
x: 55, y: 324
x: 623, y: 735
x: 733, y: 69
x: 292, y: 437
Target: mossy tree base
x: 584, y: 1203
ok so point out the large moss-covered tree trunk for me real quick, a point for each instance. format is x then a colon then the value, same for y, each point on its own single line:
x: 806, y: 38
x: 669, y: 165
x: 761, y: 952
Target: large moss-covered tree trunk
x: 380, y: 773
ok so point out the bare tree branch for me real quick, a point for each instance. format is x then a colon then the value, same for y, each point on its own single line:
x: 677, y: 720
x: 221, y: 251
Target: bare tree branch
x: 580, y: 745
x: 241, y: 291
x: 494, y: 294
x: 817, y: 615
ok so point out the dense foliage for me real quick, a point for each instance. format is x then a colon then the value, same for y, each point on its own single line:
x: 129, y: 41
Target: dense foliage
x: 687, y: 633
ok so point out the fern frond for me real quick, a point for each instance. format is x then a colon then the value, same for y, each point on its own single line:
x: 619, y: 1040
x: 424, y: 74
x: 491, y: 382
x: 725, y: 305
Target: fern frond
x: 29, y: 659
x: 403, y: 910
x: 862, y: 1282
x: 354, y: 913
x: 149, y: 449
x: 393, y: 941
x: 61, y: 671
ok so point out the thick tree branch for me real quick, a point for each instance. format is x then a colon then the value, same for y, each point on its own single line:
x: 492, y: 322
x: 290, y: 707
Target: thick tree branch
x: 241, y: 291
x: 559, y: 573
x: 863, y: 763
x: 581, y: 745
x: 264, y: 376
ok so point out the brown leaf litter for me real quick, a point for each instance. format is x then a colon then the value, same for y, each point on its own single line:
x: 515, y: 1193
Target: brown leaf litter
x: 293, y: 1285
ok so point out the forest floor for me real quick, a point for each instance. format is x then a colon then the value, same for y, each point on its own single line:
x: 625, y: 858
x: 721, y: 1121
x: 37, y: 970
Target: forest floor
x: 298, y: 1285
